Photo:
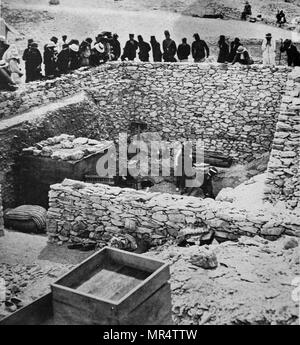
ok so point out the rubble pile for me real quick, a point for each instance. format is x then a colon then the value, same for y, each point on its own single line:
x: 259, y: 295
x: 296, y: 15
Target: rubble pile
x: 67, y: 148
x: 255, y: 289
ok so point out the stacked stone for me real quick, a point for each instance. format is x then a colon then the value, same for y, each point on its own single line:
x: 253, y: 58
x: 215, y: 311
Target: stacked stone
x: 82, y: 212
x: 1, y: 216
x: 283, y: 182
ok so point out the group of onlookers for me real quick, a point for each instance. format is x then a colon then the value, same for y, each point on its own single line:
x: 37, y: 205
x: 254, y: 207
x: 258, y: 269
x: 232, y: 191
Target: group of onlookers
x: 60, y: 56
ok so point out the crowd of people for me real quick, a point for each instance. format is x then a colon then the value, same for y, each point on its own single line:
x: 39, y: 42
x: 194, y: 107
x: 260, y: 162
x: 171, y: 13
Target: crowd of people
x: 62, y: 56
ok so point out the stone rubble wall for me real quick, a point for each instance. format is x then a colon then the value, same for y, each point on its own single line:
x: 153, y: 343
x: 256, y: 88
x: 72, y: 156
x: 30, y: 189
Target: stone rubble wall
x: 82, y: 212
x: 283, y: 181
x: 232, y: 108
x: 1, y: 215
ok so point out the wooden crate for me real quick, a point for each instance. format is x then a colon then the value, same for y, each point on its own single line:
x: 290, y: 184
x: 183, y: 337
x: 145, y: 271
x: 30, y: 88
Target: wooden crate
x: 114, y: 287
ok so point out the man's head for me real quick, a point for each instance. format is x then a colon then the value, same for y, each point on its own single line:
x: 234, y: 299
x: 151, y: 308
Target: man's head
x: 54, y: 39
x: 115, y: 36
x: 197, y: 37
x: 184, y: 40
x: 89, y: 40
x: 268, y: 36
x: 29, y: 42
x: 34, y: 45
x: 64, y: 38
x: 167, y: 34
x: 131, y: 37
x: 140, y: 38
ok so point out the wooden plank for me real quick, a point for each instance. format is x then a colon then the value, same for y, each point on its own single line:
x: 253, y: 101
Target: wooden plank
x: 137, y: 261
x: 156, y: 310
x: 144, y: 290
x: 84, y: 270
x: 36, y: 313
x: 81, y: 305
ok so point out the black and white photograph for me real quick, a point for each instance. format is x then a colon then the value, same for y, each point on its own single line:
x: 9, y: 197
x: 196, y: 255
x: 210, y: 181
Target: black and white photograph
x: 149, y: 165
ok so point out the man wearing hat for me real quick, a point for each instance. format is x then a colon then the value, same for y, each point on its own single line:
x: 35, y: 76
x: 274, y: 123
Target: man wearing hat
x: 156, y: 51
x: 98, y: 55
x: 293, y: 55
x: 200, y: 50
x: 144, y: 49
x: 50, y: 60
x: 33, y: 63
x: 169, y: 48
x: 242, y: 56
x: 207, y: 186
x: 130, y: 49
x: 116, y: 47
x: 269, y: 51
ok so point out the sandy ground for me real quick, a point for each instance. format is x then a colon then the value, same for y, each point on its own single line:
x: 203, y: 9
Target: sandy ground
x: 40, y: 21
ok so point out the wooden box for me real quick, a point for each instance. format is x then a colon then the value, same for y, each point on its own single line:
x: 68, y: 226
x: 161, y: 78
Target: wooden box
x: 114, y: 287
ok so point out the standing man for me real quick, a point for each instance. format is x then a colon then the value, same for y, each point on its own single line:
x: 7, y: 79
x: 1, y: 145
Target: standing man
x: 3, y: 46
x: 144, y: 49
x: 200, y: 49
x: 169, y: 48
x: 269, y: 50
x: 25, y: 56
x: 184, y: 51
x: 130, y: 49
x: 33, y: 63
x: 156, y: 51
x: 116, y: 47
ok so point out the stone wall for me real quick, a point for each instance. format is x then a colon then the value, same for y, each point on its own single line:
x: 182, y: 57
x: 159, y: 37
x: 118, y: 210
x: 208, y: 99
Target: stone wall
x: 1, y: 216
x: 283, y: 183
x: 233, y: 109
x: 49, y: 123
x: 81, y: 212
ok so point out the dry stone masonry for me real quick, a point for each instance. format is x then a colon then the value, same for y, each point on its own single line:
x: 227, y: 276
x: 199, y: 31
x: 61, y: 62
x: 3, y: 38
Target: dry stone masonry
x: 82, y: 212
x: 234, y: 109
x: 1, y: 216
x: 283, y: 183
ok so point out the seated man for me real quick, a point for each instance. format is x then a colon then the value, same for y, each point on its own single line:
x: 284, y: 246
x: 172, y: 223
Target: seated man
x: 242, y: 56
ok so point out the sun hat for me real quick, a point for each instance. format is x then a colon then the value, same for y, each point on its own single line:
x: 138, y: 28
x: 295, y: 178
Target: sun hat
x: 74, y: 47
x: 3, y: 64
x: 240, y: 49
x: 51, y: 45
x: 212, y: 171
x: 100, y: 47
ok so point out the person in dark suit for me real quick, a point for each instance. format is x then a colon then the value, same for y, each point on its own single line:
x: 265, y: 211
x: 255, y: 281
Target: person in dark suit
x: 293, y: 55
x: 130, y: 49
x: 169, y: 48
x: 223, y: 50
x: 184, y: 51
x: 144, y: 49
x: 156, y: 51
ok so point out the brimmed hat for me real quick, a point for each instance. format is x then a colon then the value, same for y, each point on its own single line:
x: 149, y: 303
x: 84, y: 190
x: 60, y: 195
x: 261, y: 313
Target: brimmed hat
x: 3, y: 64
x: 51, y: 45
x: 241, y: 49
x: 99, y: 47
x: 74, y: 47
x: 212, y: 171
x: 268, y: 35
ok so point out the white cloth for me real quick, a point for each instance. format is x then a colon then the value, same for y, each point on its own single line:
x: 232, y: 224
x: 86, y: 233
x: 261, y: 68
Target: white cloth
x: 269, y: 53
